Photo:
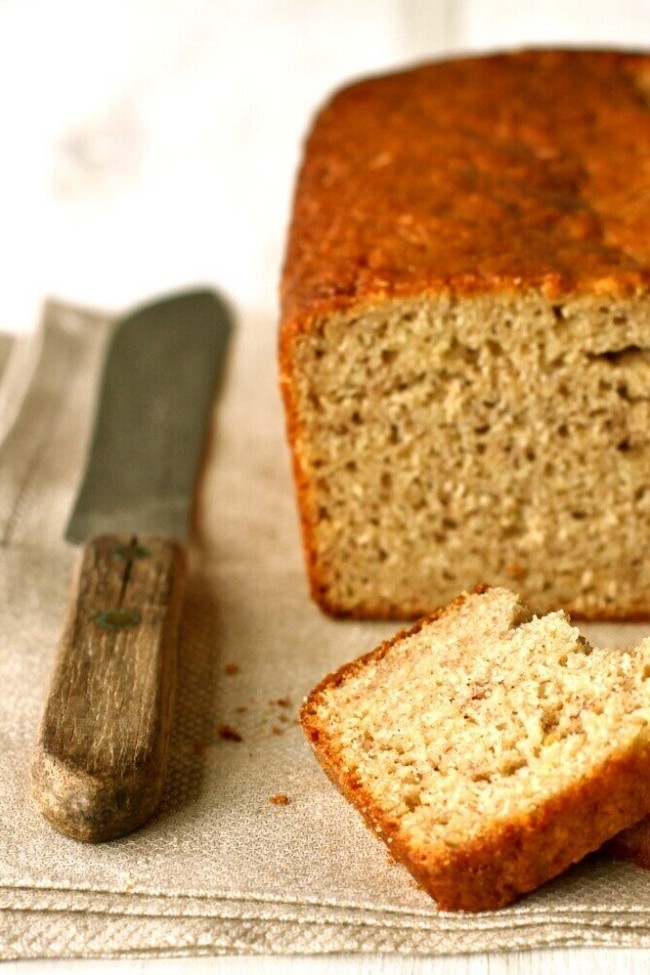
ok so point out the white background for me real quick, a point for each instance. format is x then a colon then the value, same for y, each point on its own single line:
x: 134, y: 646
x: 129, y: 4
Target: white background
x: 148, y: 144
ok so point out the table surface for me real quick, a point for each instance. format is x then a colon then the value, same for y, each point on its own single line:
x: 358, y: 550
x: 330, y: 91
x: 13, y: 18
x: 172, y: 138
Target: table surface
x: 151, y: 145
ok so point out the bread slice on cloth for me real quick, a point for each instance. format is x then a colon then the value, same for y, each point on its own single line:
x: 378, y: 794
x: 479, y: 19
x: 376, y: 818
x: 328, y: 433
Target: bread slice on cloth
x: 488, y: 747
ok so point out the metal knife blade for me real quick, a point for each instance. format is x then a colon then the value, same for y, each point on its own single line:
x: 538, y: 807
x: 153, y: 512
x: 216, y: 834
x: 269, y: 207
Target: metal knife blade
x: 99, y: 762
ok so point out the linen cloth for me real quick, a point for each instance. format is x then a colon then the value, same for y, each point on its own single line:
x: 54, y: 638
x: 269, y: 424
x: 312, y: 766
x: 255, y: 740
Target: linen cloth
x: 253, y: 850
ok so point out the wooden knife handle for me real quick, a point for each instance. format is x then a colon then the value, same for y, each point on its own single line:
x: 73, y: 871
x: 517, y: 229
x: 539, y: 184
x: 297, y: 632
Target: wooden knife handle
x: 100, y: 759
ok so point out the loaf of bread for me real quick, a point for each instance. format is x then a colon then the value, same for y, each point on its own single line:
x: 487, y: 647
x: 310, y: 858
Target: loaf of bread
x: 465, y: 338
x: 489, y: 748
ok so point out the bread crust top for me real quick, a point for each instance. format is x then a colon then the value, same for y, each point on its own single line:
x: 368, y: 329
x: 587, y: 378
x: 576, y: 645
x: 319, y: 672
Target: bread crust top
x: 515, y: 171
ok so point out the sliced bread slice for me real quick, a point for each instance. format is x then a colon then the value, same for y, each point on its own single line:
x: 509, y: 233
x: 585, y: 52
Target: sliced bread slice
x: 488, y: 747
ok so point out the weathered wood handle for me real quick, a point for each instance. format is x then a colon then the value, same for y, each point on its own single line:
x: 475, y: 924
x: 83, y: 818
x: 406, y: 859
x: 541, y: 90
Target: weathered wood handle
x: 99, y: 762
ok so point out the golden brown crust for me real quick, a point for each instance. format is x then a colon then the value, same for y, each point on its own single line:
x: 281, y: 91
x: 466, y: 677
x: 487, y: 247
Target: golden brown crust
x: 493, y: 871
x: 461, y: 180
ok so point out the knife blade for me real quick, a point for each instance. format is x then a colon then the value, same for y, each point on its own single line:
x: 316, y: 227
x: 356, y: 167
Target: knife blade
x: 100, y: 758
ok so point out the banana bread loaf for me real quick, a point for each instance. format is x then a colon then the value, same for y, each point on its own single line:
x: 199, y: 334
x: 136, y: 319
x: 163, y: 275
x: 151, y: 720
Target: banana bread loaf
x: 489, y: 748
x: 465, y: 337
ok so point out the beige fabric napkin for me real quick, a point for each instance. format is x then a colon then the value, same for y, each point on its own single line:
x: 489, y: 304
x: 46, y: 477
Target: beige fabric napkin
x: 253, y: 849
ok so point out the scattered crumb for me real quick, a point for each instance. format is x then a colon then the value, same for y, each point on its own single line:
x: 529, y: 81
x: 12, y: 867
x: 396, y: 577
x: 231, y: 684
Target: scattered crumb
x: 198, y: 747
x: 278, y: 718
x: 228, y: 733
x: 516, y: 571
x: 280, y: 800
x: 231, y: 669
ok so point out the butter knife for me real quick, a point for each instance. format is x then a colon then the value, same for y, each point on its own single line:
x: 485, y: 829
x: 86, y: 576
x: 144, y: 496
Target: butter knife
x: 99, y: 762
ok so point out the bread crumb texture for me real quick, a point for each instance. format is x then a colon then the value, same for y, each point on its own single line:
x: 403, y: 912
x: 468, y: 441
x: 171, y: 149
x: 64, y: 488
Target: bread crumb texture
x: 465, y: 341
x: 490, y: 748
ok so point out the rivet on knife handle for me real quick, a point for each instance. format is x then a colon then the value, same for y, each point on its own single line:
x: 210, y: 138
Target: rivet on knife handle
x: 99, y: 763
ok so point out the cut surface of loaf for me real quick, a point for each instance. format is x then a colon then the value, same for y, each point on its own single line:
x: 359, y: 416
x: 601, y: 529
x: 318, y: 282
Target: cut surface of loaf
x: 488, y: 747
x: 465, y: 337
